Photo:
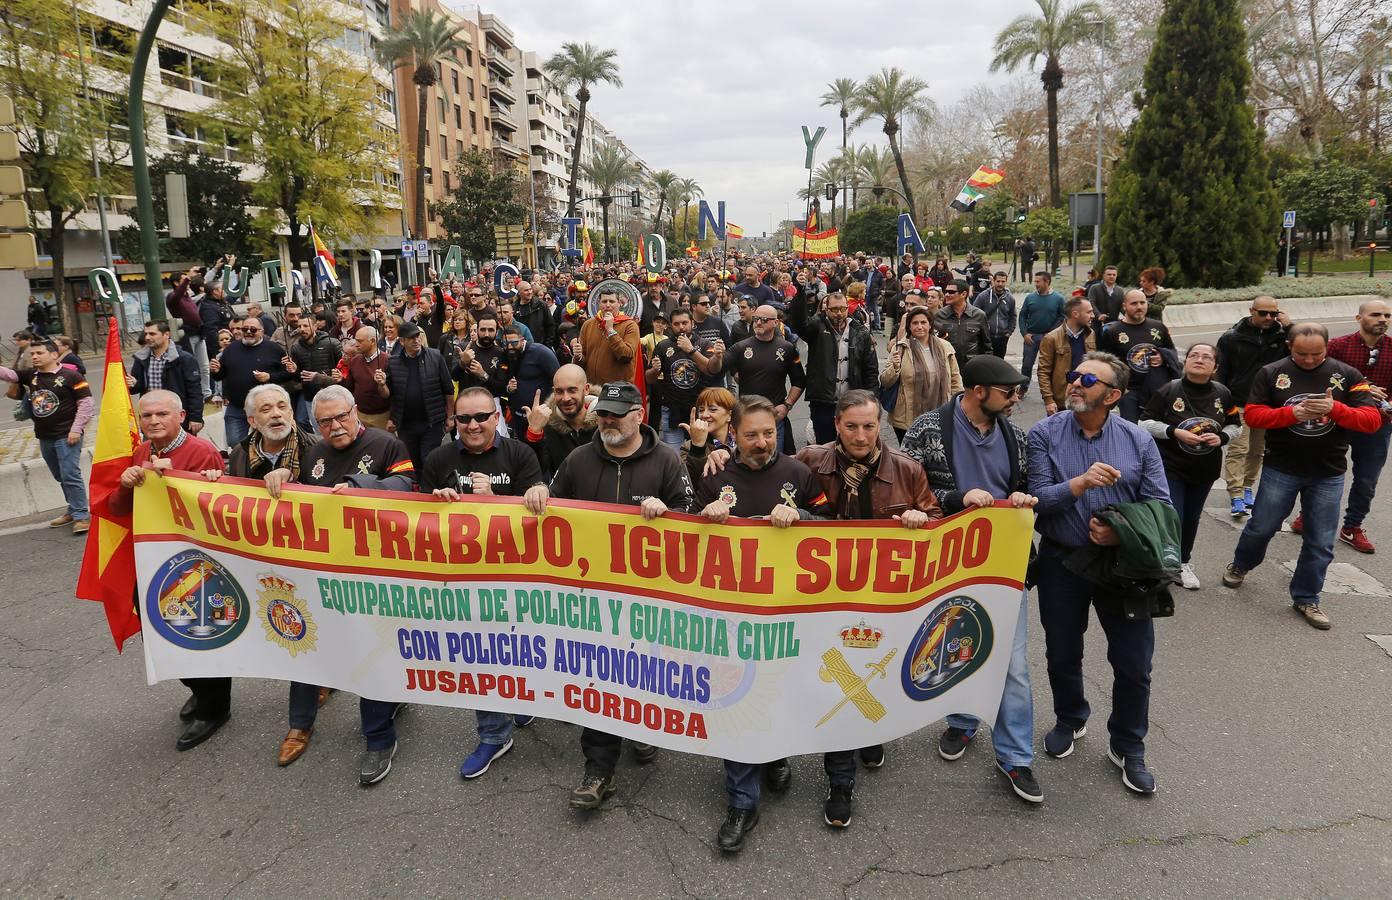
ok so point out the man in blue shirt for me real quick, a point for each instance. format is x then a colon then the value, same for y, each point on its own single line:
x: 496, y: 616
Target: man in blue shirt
x: 1040, y: 314
x: 1068, y: 474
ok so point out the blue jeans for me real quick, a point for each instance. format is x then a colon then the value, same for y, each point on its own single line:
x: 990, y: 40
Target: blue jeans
x: 1369, y: 453
x: 302, y: 414
x: 742, y: 784
x: 378, y: 726
x: 65, y: 465
x: 1031, y: 354
x: 670, y: 434
x: 234, y: 423
x: 1013, y: 736
x: 1064, y: 599
x: 1319, y: 504
x: 1188, y: 500
x: 494, y: 727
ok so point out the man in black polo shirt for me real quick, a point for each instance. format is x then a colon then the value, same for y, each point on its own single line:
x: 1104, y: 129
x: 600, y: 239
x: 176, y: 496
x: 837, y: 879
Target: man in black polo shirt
x: 766, y: 365
x: 484, y: 463
x: 351, y: 455
x: 1139, y: 341
x: 759, y: 482
x: 679, y: 365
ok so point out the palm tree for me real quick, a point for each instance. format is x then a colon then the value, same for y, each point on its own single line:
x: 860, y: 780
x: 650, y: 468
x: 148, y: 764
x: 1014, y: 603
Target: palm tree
x: 876, y: 164
x: 686, y: 190
x: 608, y: 170
x: 841, y: 94
x: 663, y: 182
x: 890, y: 96
x: 422, y: 40
x: 581, y: 65
x: 830, y: 172
x: 1048, y: 35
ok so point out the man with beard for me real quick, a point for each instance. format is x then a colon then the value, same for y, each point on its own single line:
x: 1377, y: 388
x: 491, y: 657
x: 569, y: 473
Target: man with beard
x: 769, y: 366
x: 973, y: 456
x: 1140, y: 342
x: 160, y: 364
x: 530, y: 368
x: 863, y: 479
x: 707, y: 327
x: 679, y: 368
x: 350, y: 455
x: 556, y: 428
x: 167, y: 446
x: 240, y: 367
x: 840, y: 356
x: 419, y: 388
x: 483, y: 463
x: 761, y: 482
x: 744, y: 328
x: 625, y: 463
x: 485, y: 363
x: 314, y: 359
x: 1066, y: 473
x: 1254, y: 342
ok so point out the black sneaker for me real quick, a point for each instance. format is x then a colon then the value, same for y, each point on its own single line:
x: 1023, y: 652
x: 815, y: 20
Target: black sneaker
x: 737, y: 824
x: 837, y: 812
x: 953, y: 743
x: 592, y: 792
x: 1022, y: 782
x: 1058, y: 743
x: 1134, y: 773
x: 872, y: 757
x: 644, y: 753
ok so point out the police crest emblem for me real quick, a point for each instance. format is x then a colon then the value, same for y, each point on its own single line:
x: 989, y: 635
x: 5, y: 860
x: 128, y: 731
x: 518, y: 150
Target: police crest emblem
x: 285, y: 617
x: 1282, y: 381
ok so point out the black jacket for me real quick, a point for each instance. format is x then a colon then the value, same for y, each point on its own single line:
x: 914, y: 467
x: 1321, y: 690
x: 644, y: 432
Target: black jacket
x: 863, y: 367
x: 655, y: 470
x: 181, y: 376
x: 436, y: 385
x: 1242, y: 352
x: 322, y: 358
x: 558, y: 440
x: 538, y: 319
x: 214, y: 317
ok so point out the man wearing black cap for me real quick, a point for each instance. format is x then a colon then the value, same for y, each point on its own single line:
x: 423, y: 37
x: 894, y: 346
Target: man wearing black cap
x: 419, y: 387
x: 628, y: 465
x: 975, y: 456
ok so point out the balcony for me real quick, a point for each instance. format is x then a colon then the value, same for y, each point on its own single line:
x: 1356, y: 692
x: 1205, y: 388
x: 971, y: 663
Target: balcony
x: 505, y: 116
x: 494, y: 28
x: 500, y: 63
x: 506, y: 147
x: 503, y: 88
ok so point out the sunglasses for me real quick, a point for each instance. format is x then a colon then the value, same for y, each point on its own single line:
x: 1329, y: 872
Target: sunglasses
x: 1266, y: 313
x: 1018, y: 391
x: 480, y: 418
x: 1086, y: 379
x: 951, y: 292
x: 765, y: 318
x: 251, y: 331
x: 701, y: 303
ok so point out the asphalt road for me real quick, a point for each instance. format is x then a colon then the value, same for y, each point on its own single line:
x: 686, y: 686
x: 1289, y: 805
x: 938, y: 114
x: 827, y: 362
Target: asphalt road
x: 1269, y: 740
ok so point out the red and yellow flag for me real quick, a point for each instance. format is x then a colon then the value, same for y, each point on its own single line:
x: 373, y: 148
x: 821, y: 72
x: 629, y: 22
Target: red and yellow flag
x: 589, y: 248
x: 733, y: 231
x: 985, y: 178
x: 108, y: 563
x: 641, y: 261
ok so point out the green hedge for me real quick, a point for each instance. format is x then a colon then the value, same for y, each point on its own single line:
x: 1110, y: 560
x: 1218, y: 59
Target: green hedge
x: 1280, y: 288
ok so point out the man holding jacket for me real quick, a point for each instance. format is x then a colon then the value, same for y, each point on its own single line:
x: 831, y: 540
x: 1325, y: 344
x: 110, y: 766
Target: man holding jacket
x: 840, y: 356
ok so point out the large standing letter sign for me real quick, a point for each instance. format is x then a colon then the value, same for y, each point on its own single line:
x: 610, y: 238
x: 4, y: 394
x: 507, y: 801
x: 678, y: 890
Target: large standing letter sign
x: 275, y: 287
x: 908, y: 236
x: 503, y: 285
x: 243, y: 282
x: 655, y: 253
x: 374, y: 265
x: 453, y: 266
x: 811, y: 141
x: 717, y: 224
x: 572, y: 237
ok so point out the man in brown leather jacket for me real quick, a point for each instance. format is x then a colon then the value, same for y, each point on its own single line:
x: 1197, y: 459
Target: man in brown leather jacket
x: 863, y: 479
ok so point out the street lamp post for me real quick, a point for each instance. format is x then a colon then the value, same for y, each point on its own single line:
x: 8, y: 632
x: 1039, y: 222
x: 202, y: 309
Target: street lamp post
x: 1101, y: 97
x: 144, y: 200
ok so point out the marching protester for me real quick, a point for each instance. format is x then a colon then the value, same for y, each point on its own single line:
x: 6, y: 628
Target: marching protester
x: 1041, y: 313
x: 609, y: 343
x: 531, y: 312
x: 920, y: 374
x: 1309, y: 405
x: 1254, y: 342
x: 1190, y: 419
x: 62, y: 406
x: 759, y: 481
x: 625, y: 463
x: 530, y: 367
x: 769, y: 366
x: 998, y: 303
x: 483, y: 463
x: 1107, y: 297
x: 314, y: 360
x: 564, y: 422
x: 961, y: 324
x: 840, y: 356
x: 352, y: 455
x: 242, y: 365
x: 973, y: 455
x: 1067, y: 472
x: 419, y: 386
x: 678, y: 364
x: 161, y: 365
x: 863, y: 479
x: 167, y: 446
x: 1142, y: 343
x: 364, y: 374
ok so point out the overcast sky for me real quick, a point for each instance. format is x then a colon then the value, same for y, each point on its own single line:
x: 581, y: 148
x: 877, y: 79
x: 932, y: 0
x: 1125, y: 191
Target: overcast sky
x: 701, y: 100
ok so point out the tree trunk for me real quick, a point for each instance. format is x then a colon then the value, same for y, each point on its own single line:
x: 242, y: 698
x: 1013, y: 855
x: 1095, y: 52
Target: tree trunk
x: 845, y: 189
x: 1051, y: 96
x: 604, y: 211
x: 892, y: 129
x: 57, y: 245
x: 657, y: 219
x: 421, y: 112
x: 583, y: 96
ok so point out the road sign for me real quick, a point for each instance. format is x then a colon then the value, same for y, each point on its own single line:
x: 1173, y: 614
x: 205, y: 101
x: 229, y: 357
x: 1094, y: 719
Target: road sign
x: 1288, y: 220
x: 422, y: 248
x: 408, y: 248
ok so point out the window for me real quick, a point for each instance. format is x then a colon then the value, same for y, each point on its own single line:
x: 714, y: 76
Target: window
x: 473, y: 122
x: 444, y: 149
x: 469, y: 58
x: 458, y: 148
x: 454, y: 80
x: 386, y: 98
x: 441, y: 102
x: 429, y: 175
x: 470, y: 83
x: 447, y: 182
x: 439, y: 73
x: 458, y: 116
x: 187, y: 72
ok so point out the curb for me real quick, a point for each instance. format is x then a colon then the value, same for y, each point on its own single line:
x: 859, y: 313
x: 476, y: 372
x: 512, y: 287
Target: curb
x: 1188, y: 315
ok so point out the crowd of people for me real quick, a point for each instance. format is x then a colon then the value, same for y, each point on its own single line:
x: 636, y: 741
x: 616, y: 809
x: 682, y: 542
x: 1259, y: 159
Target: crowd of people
x: 557, y: 385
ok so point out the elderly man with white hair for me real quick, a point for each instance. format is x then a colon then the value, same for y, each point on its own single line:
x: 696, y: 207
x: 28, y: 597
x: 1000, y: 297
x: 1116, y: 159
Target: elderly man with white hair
x: 274, y: 443
x: 168, y: 446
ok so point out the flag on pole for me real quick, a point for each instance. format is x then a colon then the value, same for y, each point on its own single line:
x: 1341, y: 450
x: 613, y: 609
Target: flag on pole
x: 589, y: 248
x: 692, y: 250
x: 966, y: 198
x: 985, y: 178
x: 324, y: 264
x: 107, y: 575
x: 813, y: 217
x: 642, y: 263
x: 733, y: 231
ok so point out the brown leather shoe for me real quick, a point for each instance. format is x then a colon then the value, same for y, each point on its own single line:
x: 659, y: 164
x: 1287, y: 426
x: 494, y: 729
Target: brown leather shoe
x: 59, y: 522
x: 324, y: 695
x: 294, y: 746
x: 81, y: 526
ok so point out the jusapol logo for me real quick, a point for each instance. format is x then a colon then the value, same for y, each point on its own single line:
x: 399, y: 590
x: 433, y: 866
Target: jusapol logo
x: 948, y: 647
x: 195, y: 603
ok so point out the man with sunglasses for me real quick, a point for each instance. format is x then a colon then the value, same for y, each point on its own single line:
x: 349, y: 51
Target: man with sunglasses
x: 628, y: 465
x: 483, y: 463
x: 348, y: 455
x: 962, y: 325
x: 1255, y: 341
x: 245, y: 363
x: 769, y: 365
x: 1079, y: 461
x: 973, y: 456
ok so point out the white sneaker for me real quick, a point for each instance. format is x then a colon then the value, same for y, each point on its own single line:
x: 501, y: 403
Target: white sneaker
x: 1187, y: 578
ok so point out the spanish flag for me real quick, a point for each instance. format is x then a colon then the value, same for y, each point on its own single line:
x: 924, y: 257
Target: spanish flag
x: 642, y: 263
x: 733, y: 231
x: 984, y: 178
x: 108, y: 562
x: 692, y: 250
x: 589, y: 248
x: 324, y: 263
x: 813, y: 217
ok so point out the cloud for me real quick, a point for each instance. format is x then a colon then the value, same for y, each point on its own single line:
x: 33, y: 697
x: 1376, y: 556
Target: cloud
x: 718, y: 91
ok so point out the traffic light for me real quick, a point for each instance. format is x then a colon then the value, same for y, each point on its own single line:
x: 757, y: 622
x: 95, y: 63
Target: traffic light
x: 17, y: 250
x: 635, y: 199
